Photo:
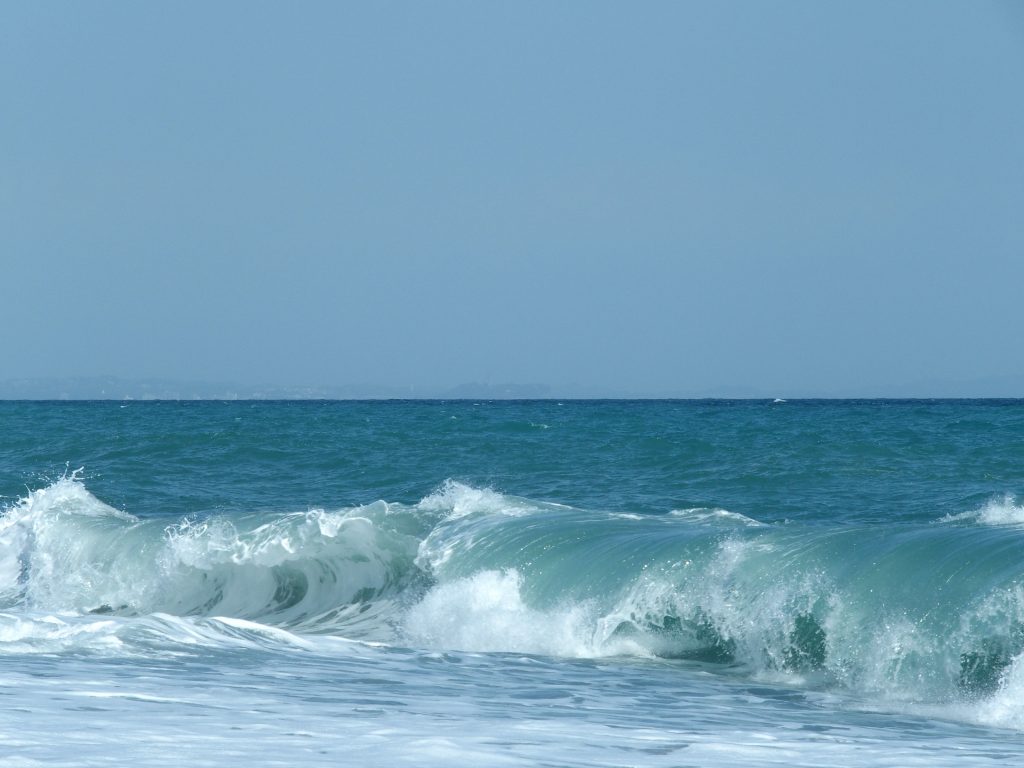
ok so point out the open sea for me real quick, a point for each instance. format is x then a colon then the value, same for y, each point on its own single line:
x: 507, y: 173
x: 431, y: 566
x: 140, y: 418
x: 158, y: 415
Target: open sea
x: 534, y: 583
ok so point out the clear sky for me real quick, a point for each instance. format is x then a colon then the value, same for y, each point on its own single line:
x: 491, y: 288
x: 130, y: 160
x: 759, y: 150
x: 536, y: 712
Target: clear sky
x: 681, y: 198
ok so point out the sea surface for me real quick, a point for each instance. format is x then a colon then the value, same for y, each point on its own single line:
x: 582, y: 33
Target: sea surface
x: 541, y: 583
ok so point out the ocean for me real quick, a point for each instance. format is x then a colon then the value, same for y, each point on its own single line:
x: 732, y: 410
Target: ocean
x: 526, y: 583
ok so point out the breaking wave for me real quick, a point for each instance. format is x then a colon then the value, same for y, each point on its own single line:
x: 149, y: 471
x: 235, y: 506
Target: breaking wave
x: 908, y: 614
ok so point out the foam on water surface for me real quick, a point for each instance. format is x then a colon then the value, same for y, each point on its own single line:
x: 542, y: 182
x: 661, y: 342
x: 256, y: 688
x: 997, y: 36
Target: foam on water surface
x: 1002, y: 511
x: 806, y: 593
x: 469, y: 569
x: 379, y: 706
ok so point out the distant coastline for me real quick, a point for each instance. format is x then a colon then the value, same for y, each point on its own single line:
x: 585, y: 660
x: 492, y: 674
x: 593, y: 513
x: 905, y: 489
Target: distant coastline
x: 116, y: 388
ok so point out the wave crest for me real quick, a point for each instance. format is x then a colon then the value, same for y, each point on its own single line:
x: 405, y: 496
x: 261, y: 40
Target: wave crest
x: 998, y: 512
x: 476, y: 570
x: 61, y: 549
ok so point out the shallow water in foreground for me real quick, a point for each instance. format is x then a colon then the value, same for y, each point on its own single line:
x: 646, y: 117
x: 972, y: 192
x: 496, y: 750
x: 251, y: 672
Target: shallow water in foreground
x: 542, y: 583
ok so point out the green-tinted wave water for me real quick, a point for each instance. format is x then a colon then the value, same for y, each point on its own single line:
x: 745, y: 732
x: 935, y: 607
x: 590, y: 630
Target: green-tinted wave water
x: 866, y: 548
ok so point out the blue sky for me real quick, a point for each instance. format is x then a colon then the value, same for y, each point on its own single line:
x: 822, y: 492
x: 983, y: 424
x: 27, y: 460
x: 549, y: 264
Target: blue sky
x: 680, y: 198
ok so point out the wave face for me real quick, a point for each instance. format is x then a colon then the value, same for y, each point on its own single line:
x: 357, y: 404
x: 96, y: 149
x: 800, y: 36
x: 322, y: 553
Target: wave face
x: 912, y: 613
x: 62, y: 549
x: 917, y: 614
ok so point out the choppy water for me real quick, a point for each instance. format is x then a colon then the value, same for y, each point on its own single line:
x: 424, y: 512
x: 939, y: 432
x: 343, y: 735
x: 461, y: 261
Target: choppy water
x: 535, y: 583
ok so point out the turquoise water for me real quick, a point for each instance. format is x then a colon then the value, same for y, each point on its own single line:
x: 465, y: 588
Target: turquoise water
x: 559, y: 583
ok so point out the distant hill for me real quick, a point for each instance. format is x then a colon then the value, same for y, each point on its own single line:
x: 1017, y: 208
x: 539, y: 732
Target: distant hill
x: 114, y: 388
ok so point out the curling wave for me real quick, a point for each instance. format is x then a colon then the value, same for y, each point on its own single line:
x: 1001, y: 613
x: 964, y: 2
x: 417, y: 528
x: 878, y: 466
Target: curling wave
x: 63, y: 550
x: 906, y: 613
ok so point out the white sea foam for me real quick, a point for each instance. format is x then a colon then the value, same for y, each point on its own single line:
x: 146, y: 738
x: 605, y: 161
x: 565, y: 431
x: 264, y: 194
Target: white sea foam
x: 486, y: 612
x: 60, y: 543
x: 1003, y: 708
x: 68, y: 496
x: 387, y: 707
x: 458, y: 507
x: 1003, y: 511
x: 713, y: 515
x: 48, y: 633
x: 455, y: 500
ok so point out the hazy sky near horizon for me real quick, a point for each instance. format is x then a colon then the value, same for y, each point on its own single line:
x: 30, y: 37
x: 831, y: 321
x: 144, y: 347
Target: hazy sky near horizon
x: 627, y: 198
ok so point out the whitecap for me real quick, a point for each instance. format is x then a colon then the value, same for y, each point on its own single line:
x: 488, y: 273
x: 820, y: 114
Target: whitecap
x: 1000, y: 512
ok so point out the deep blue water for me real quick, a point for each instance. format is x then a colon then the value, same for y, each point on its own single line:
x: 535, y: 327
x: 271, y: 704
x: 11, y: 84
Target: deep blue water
x: 836, y: 460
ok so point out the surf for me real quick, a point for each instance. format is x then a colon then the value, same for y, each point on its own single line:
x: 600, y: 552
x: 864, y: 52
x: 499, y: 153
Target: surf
x: 907, y: 614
